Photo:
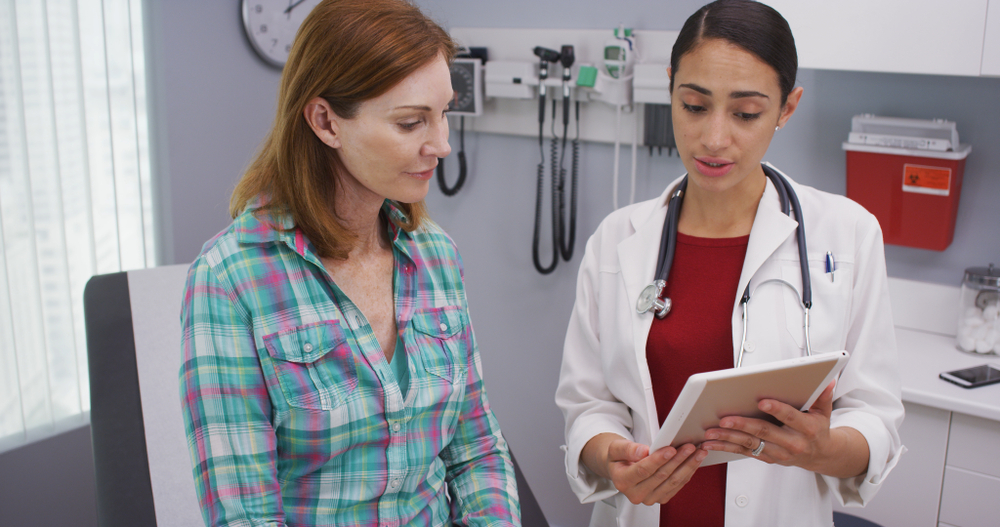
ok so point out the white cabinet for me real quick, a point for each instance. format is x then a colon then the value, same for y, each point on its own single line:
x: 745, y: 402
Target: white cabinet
x: 991, y: 41
x: 909, y: 497
x: 952, y: 459
x: 972, y: 474
x: 969, y: 499
x: 943, y: 37
x: 975, y: 445
x: 953, y: 434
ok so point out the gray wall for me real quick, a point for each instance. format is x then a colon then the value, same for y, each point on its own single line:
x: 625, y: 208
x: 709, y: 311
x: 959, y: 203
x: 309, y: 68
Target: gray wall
x: 49, y: 483
x: 214, y: 100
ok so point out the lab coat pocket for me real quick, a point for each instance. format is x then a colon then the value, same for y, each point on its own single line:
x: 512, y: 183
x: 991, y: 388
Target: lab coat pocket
x: 830, y: 305
x: 314, y: 365
x: 440, y: 340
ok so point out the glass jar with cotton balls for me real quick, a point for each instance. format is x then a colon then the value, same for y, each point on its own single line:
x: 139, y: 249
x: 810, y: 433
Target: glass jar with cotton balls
x: 979, y: 319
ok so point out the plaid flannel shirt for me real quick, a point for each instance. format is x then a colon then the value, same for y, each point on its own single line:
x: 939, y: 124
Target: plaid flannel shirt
x: 293, y: 415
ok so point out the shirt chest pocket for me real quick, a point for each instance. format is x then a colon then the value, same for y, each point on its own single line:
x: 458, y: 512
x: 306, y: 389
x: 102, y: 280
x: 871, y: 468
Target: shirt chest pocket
x: 313, y: 364
x: 441, y: 340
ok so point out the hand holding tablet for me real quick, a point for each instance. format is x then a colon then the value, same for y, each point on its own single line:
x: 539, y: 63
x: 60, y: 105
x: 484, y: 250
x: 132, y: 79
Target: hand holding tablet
x: 709, y: 397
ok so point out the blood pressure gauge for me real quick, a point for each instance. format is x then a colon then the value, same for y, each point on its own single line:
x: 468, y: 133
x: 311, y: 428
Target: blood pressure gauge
x: 271, y: 26
x: 466, y: 80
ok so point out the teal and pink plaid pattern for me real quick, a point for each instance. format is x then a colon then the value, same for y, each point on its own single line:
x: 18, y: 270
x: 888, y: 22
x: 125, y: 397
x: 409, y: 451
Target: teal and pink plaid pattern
x: 293, y: 415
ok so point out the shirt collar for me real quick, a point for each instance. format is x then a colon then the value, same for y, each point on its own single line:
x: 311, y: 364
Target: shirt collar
x: 257, y: 226
x: 396, y: 216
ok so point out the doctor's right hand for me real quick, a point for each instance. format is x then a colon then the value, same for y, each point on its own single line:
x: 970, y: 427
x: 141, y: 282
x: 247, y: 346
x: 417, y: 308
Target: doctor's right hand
x: 642, y: 477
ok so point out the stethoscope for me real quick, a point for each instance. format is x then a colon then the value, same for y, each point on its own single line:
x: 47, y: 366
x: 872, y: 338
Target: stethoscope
x: 651, y: 296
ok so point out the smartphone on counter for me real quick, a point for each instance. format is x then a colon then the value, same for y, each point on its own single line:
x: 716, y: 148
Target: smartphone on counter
x: 973, y: 377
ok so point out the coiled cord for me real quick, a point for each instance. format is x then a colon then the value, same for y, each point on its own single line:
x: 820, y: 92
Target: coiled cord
x: 567, y: 239
x: 462, y: 168
x: 563, y: 231
x: 555, y: 167
x: 536, y: 239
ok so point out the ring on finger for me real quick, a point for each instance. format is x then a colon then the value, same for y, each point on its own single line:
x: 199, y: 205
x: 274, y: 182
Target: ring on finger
x: 760, y: 448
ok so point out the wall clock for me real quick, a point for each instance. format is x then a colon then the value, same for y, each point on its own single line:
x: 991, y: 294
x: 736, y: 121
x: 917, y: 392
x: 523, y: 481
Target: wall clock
x: 271, y: 26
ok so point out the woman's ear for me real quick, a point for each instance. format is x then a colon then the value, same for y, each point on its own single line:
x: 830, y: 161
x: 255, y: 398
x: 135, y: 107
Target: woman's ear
x: 791, y: 103
x: 323, y: 121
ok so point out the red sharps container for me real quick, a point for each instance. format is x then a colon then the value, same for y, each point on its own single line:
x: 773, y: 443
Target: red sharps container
x: 908, y: 173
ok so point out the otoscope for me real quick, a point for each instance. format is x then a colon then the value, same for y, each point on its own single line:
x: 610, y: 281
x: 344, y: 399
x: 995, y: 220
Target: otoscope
x: 566, y: 59
x: 566, y: 240
x: 545, y: 56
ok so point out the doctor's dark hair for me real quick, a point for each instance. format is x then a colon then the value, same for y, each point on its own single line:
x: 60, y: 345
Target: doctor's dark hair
x: 755, y: 27
x: 347, y: 52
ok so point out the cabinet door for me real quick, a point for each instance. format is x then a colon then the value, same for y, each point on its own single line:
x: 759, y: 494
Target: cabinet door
x: 909, y: 497
x: 973, y: 445
x: 991, y: 41
x: 970, y: 498
x: 942, y: 37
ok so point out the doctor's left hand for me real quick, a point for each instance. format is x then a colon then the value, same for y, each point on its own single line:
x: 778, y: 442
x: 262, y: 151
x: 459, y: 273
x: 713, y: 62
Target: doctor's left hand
x: 806, y: 439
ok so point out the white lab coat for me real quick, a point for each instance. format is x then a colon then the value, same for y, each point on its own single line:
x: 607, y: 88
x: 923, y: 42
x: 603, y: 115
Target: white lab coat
x: 605, y: 386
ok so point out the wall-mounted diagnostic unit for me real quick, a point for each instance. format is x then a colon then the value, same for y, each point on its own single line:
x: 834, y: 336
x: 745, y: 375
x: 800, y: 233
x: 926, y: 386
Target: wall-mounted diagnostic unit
x: 467, y: 82
x: 619, y: 54
x: 570, y: 86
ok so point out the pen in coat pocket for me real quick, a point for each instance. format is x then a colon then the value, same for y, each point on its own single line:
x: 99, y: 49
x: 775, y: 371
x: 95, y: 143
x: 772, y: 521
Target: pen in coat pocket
x: 831, y: 265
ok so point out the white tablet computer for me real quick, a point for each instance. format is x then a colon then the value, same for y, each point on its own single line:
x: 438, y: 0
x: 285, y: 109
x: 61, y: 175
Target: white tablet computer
x: 708, y: 397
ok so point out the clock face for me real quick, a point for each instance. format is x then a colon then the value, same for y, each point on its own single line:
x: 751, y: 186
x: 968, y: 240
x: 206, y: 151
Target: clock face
x: 271, y: 26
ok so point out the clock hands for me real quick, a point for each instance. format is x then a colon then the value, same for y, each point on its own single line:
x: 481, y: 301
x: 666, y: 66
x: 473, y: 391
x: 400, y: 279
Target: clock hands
x: 292, y: 6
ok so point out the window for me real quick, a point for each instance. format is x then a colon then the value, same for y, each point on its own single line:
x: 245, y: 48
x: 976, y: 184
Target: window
x: 74, y: 194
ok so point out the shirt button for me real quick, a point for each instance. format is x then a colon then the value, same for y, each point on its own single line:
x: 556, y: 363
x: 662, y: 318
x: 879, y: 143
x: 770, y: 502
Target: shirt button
x: 444, y: 327
x: 749, y: 346
x: 307, y: 348
x: 395, y: 427
x: 742, y: 501
x: 394, y: 483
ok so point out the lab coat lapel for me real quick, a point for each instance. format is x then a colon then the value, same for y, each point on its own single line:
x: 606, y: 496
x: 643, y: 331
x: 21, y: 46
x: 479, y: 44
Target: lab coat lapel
x: 638, y: 253
x: 637, y: 257
x: 771, y: 228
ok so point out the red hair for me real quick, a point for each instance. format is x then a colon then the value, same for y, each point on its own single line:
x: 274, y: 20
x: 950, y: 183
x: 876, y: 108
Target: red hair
x: 347, y: 52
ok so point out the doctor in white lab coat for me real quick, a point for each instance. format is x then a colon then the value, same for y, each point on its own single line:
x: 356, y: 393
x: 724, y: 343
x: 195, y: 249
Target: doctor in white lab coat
x: 729, y: 98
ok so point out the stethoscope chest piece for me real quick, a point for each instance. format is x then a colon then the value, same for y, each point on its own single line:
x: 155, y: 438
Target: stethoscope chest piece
x: 650, y: 299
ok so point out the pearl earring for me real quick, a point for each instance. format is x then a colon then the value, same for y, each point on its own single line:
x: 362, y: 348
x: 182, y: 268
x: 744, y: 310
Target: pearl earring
x: 776, y: 128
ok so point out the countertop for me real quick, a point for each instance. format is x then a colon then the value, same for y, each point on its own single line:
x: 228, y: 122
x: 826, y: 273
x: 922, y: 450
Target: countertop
x: 922, y: 356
